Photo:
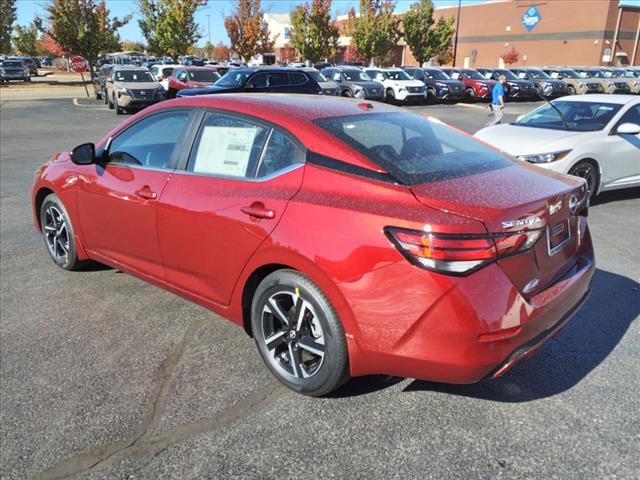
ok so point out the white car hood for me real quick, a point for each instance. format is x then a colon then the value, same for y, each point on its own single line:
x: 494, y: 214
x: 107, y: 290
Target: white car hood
x: 516, y: 140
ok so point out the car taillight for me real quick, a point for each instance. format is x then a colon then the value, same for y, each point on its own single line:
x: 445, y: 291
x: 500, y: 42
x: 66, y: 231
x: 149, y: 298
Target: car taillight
x: 458, y: 254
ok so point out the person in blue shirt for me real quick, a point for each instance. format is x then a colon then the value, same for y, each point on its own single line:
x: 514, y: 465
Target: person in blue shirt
x: 497, y: 101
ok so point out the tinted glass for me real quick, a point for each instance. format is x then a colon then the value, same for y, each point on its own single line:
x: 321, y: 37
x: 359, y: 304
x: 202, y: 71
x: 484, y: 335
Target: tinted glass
x: 453, y: 74
x: 281, y: 152
x: 208, y: 76
x: 538, y: 74
x: 228, y: 147
x: 133, y: 76
x: 397, y: 75
x: 414, y: 149
x: 473, y: 74
x: 299, y: 78
x: 509, y: 75
x: 317, y: 76
x: 356, y: 76
x: 149, y: 142
x: 278, y: 79
x: 435, y: 74
x: 579, y: 116
x: 233, y: 78
x: 259, y: 81
x: 631, y: 116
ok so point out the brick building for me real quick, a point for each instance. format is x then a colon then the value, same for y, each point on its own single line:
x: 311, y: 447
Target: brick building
x: 556, y: 32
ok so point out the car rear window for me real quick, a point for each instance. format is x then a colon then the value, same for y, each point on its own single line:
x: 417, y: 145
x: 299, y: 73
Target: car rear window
x: 414, y: 149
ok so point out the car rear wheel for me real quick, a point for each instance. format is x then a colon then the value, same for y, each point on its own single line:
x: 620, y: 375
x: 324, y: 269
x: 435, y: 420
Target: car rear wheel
x: 57, y: 232
x: 589, y: 171
x: 299, y: 334
x: 571, y: 90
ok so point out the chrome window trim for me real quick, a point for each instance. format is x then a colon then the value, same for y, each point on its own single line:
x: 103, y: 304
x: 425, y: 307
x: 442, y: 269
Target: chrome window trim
x: 283, y: 171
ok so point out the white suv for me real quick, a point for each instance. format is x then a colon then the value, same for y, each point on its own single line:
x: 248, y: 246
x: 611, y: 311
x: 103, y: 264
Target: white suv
x: 398, y: 85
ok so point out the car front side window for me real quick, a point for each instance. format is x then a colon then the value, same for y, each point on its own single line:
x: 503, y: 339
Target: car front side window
x: 150, y: 142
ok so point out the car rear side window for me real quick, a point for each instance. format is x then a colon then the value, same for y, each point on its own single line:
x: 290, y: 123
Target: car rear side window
x: 281, y: 153
x: 298, y: 78
x: 413, y: 149
x: 150, y: 142
x: 228, y: 147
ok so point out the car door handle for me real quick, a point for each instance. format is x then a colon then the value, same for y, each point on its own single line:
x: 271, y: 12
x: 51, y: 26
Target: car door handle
x: 146, y: 193
x: 258, y: 211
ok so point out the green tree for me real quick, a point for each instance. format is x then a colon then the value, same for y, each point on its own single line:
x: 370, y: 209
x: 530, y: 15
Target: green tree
x: 82, y: 27
x: 25, y: 40
x: 247, y: 30
x: 443, y: 37
x: 313, y: 34
x: 129, y: 45
x: 169, y: 25
x: 7, y: 17
x: 418, y: 33
x: 375, y: 30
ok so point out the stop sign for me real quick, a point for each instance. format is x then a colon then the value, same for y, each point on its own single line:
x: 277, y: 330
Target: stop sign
x: 79, y: 64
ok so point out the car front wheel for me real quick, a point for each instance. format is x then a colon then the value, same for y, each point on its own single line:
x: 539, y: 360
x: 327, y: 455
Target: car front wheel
x: 587, y: 170
x: 118, y: 108
x: 299, y: 334
x: 57, y: 232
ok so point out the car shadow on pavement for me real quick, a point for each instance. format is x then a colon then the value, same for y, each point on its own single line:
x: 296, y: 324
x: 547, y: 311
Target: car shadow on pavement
x: 563, y: 362
x: 616, y: 195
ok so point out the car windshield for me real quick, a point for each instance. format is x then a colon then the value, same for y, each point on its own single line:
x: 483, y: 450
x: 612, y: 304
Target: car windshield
x: 569, y: 74
x: 608, y: 74
x: 624, y: 74
x: 414, y: 149
x: 317, y: 76
x: 434, y: 74
x: 596, y: 74
x: 579, y: 116
x: 538, y: 74
x: 356, y: 76
x: 133, y: 76
x: 473, y: 74
x: 11, y: 64
x: 397, y: 75
x: 233, y: 78
x: 508, y: 74
x: 208, y: 76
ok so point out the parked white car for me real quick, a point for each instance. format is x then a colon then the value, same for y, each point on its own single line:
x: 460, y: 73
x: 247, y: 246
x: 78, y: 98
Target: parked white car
x: 596, y: 138
x: 162, y: 73
x: 399, y: 86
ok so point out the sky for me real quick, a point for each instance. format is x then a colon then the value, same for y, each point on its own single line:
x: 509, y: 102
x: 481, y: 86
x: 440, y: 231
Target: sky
x: 216, y: 10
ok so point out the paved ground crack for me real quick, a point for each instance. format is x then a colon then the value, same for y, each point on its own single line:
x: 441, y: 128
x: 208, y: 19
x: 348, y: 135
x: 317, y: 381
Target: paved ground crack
x: 85, y: 461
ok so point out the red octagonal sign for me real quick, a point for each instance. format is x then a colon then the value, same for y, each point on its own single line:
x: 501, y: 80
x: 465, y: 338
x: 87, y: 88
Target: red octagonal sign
x: 79, y: 64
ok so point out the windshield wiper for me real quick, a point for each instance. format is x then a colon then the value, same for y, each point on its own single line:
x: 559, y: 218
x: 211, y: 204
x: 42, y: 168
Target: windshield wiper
x: 562, y: 117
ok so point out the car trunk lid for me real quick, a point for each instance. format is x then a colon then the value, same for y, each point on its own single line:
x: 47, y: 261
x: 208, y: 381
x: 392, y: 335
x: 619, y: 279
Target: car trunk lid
x: 518, y: 198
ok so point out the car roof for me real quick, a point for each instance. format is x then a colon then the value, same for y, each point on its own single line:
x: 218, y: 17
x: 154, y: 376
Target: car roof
x: 284, y: 106
x: 130, y: 67
x: 193, y: 68
x: 601, y: 97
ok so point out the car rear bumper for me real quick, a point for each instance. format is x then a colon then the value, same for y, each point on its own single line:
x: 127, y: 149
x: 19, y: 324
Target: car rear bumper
x: 469, y: 328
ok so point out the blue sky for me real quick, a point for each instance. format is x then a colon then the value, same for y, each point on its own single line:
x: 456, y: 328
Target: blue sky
x: 216, y: 9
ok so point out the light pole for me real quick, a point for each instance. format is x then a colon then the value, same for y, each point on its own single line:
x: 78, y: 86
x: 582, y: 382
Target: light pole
x: 209, y: 27
x: 455, y: 42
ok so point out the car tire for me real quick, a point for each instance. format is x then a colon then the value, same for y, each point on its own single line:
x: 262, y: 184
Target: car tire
x: 98, y: 95
x: 298, y: 334
x: 571, y: 90
x: 470, y: 94
x: 27, y: 79
x: 347, y: 93
x: 58, y: 233
x: 588, y: 170
x: 118, y: 109
x: 432, y: 96
x: 390, y: 96
x: 110, y: 103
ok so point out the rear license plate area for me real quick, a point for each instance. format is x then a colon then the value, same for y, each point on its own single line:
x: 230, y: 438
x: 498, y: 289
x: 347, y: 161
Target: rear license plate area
x: 558, y: 236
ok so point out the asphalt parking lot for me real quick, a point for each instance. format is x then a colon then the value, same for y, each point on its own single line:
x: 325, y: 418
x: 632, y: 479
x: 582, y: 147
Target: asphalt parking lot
x: 106, y: 377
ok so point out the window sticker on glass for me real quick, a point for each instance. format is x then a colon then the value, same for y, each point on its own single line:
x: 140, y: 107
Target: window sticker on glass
x: 225, y: 150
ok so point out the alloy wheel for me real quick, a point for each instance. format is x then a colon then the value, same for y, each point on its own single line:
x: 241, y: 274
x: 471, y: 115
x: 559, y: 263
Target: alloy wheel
x: 56, y: 234
x: 292, y: 334
x: 587, y: 171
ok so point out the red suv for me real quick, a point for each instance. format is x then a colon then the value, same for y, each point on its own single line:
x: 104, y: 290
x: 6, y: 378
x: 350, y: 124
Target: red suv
x: 476, y: 86
x: 419, y: 252
x: 191, y: 77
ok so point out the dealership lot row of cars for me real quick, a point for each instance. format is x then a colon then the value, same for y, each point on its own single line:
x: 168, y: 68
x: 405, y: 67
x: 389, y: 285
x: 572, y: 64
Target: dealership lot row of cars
x: 394, y: 85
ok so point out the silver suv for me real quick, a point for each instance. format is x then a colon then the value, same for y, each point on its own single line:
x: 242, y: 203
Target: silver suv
x: 131, y: 88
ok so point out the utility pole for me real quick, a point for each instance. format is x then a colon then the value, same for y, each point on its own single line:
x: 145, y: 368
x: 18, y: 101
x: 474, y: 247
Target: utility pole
x: 209, y: 27
x: 455, y: 43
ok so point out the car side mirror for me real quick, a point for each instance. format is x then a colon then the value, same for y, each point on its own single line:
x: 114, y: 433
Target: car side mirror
x: 84, y: 154
x: 628, y: 129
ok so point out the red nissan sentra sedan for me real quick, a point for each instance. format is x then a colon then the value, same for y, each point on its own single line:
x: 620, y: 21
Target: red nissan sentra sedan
x: 348, y: 238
